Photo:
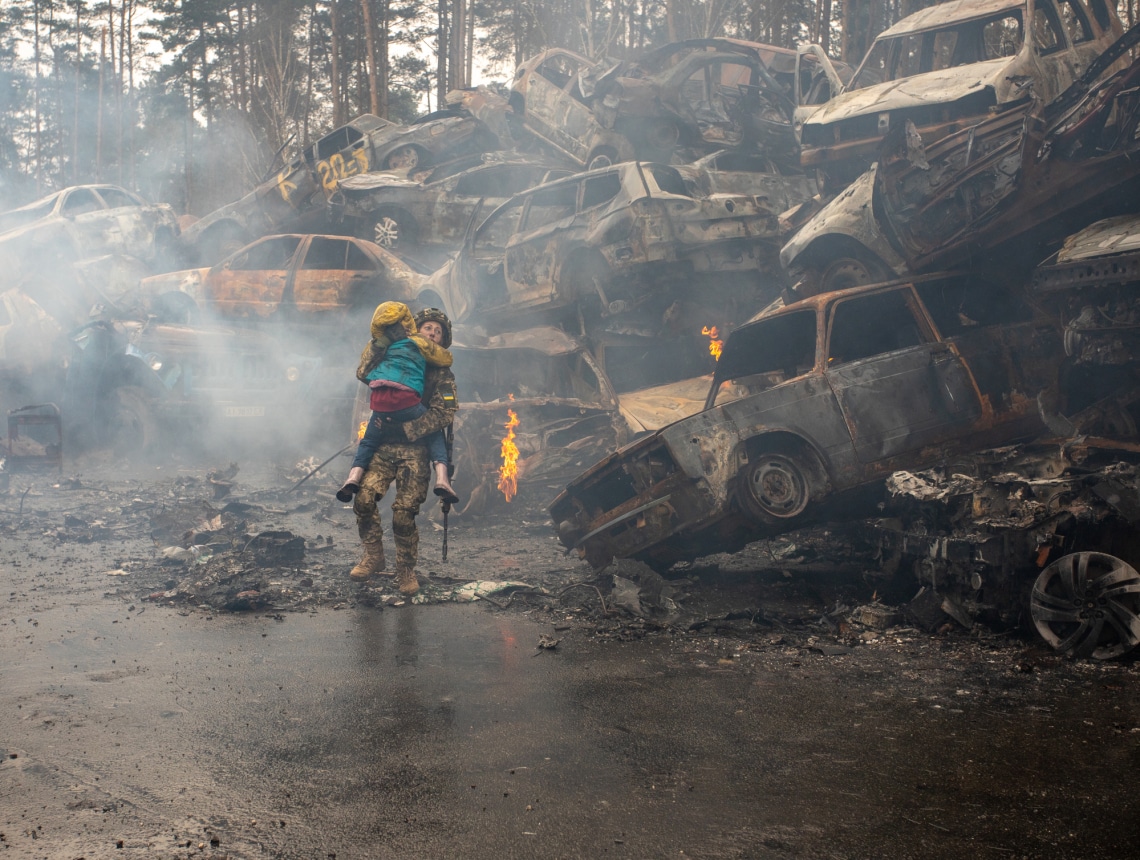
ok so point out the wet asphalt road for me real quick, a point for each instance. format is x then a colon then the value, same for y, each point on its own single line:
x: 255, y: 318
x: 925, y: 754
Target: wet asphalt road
x: 440, y: 731
x: 133, y: 729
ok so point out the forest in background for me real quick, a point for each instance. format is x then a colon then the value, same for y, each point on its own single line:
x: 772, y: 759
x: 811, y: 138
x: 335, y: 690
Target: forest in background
x: 189, y: 102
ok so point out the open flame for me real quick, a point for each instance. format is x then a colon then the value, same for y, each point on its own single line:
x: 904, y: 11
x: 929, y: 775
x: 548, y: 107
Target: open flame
x: 715, y: 344
x: 509, y: 471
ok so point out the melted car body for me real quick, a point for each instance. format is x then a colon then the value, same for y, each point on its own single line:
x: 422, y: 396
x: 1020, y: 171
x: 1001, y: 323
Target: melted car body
x: 818, y: 397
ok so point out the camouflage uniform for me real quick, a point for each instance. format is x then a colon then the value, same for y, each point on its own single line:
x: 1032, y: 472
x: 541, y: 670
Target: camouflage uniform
x: 403, y: 458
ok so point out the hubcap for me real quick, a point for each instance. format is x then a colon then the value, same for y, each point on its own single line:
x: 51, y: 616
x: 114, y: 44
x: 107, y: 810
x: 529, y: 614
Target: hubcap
x: 778, y: 486
x: 1087, y: 604
x: 387, y: 232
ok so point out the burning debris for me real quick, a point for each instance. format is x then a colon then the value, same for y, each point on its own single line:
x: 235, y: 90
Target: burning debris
x: 509, y: 471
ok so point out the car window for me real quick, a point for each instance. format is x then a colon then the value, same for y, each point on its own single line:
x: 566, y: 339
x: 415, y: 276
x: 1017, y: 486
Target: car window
x: 1047, y: 28
x: 559, y: 70
x: 273, y: 253
x: 942, y: 52
x: 871, y: 325
x: 358, y: 261
x: 1002, y: 37
x: 600, y: 189
x: 1101, y: 13
x: 551, y: 205
x: 496, y: 231
x: 81, y: 201
x: 325, y: 253
x: 910, y: 56
x: 337, y: 141
x: 116, y: 198
x: 668, y: 180
x: 1075, y: 22
x: 770, y: 351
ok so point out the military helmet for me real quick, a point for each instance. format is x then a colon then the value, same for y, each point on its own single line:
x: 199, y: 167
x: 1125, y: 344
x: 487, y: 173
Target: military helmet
x: 438, y: 316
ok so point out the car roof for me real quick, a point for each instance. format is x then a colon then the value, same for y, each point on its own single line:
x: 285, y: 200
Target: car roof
x: 545, y: 339
x: 954, y: 12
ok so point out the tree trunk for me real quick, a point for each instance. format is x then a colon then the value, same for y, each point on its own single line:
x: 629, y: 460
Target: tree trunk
x: 370, y: 57
x: 442, y: 41
x: 36, y: 97
x: 334, y: 71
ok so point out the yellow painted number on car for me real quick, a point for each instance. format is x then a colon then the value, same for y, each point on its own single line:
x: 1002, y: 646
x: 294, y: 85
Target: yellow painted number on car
x: 285, y: 186
x: 334, y: 168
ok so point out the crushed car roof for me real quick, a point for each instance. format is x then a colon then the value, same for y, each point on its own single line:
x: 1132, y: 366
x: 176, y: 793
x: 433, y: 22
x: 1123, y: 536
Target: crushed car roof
x: 545, y: 339
x: 1110, y: 236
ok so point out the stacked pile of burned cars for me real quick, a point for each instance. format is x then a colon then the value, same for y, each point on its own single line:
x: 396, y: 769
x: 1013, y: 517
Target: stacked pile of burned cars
x: 923, y: 330
x: 722, y: 288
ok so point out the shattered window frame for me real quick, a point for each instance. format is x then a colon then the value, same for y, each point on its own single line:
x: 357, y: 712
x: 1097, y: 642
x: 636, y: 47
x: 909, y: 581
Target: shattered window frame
x: 240, y: 261
x: 767, y: 353
x: 972, y: 44
x: 108, y: 194
x: 870, y: 331
x: 320, y: 251
x: 68, y: 209
x: 1045, y: 13
x: 1075, y: 23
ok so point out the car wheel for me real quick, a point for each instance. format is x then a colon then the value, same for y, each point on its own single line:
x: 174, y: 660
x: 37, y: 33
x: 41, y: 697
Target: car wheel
x: 1086, y: 605
x: 394, y: 229
x: 404, y: 158
x: 601, y: 157
x: 847, y: 272
x: 132, y: 427
x: 775, y: 487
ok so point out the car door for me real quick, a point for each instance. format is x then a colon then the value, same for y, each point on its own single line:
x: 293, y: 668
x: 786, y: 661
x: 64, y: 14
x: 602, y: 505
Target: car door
x: 94, y: 229
x: 252, y: 282
x: 534, y: 252
x: 553, y: 111
x: 134, y: 220
x: 1059, y: 61
x: 899, y: 388
x: 330, y: 275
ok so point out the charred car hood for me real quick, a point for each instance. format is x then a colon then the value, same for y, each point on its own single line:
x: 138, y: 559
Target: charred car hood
x: 654, y: 408
x: 942, y: 87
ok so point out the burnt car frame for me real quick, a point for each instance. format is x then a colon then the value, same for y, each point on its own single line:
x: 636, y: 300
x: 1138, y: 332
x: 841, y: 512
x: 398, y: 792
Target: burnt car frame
x: 296, y: 196
x: 813, y: 400
x: 86, y: 221
x: 406, y: 212
x: 1021, y: 176
x: 692, y: 97
x: 602, y: 243
x: 950, y: 65
x: 285, y: 279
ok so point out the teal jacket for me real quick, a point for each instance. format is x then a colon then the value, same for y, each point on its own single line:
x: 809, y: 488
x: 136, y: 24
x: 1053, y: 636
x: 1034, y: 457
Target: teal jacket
x: 402, y: 363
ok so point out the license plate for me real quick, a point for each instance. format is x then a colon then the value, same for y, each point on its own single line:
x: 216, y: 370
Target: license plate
x: 244, y: 411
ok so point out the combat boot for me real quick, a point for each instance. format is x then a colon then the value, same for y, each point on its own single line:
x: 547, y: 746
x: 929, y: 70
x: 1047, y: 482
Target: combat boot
x: 352, y: 485
x: 373, y: 562
x: 406, y: 581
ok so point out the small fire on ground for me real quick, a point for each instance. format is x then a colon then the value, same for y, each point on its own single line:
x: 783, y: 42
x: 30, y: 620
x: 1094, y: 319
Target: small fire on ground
x: 715, y: 344
x: 509, y: 471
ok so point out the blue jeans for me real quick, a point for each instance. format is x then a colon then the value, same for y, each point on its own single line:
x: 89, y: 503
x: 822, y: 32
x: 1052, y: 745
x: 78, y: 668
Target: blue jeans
x: 374, y: 436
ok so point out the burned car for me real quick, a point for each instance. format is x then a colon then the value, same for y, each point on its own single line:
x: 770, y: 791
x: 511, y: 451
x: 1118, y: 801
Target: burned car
x: 690, y: 97
x: 295, y: 198
x: 87, y: 221
x: 417, y: 210
x: 606, y: 242
x: 287, y: 279
x: 147, y: 388
x: 1020, y: 176
x: 813, y: 400
x: 946, y: 67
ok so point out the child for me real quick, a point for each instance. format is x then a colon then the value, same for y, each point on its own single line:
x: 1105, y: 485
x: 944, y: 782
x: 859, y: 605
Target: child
x: 397, y: 385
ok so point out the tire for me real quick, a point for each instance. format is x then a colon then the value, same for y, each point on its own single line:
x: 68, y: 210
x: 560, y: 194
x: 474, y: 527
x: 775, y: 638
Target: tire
x: 132, y: 427
x: 846, y: 272
x: 603, y: 156
x: 405, y: 157
x: 393, y: 229
x: 776, y: 487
